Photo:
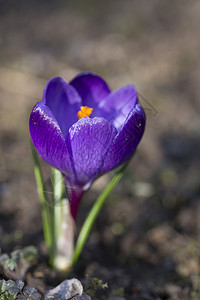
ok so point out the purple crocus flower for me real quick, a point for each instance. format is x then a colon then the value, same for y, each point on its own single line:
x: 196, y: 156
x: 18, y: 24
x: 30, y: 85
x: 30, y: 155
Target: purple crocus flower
x: 84, y: 130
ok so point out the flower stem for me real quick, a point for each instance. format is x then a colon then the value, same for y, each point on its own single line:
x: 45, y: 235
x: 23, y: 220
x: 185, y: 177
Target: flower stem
x: 58, y: 191
x: 64, y: 225
x: 64, y: 243
x: 90, y: 219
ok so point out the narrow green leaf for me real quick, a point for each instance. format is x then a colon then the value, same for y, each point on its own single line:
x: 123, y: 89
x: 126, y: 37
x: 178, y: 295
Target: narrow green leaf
x: 90, y: 219
x: 46, y: 214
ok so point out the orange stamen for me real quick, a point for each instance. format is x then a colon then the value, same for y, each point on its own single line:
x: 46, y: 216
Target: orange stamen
x: 84, y: 112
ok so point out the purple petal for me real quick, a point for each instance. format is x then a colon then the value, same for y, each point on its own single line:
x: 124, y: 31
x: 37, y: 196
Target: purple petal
x: 90, y: 139
x: 48, y: 138
x: 91, y: 88
x: 64, y: 102
x: 117, y: 105
x: 126, y: 140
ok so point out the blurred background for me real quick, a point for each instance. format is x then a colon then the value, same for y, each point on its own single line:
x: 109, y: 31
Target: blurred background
x: 147, y: 239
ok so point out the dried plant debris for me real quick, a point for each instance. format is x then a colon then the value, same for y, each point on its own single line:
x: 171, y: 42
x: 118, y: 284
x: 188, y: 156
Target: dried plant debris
x: 99, y: 290
x: 16, y: 265
x: 15, y: 290
x: 96, y: 288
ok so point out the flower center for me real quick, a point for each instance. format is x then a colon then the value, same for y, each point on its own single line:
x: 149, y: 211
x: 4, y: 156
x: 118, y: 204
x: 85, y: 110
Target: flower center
x: 84, y: 112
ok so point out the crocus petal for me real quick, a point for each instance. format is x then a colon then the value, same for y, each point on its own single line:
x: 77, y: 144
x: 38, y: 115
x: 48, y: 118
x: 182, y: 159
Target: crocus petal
x: 89, y: 140
x: 117, y: 105
x: 64, y: 102
x: 91, y: 88
x: 126, y: 140
x: 48, y: 138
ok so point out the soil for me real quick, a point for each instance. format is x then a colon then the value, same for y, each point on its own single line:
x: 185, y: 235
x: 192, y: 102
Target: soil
x: 145, y: 242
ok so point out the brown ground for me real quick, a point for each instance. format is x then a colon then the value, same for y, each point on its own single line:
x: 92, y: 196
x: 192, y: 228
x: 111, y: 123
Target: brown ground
x: 147, y: 238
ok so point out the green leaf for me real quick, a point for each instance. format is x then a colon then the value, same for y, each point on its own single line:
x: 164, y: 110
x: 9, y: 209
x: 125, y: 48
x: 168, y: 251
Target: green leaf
x: 94, y: 212
x: 29, y: 254
x: 10, y: 264
x: 4, y: 257
x: 2, y: 286
x: 15, y: 255
x: 46, y: 212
